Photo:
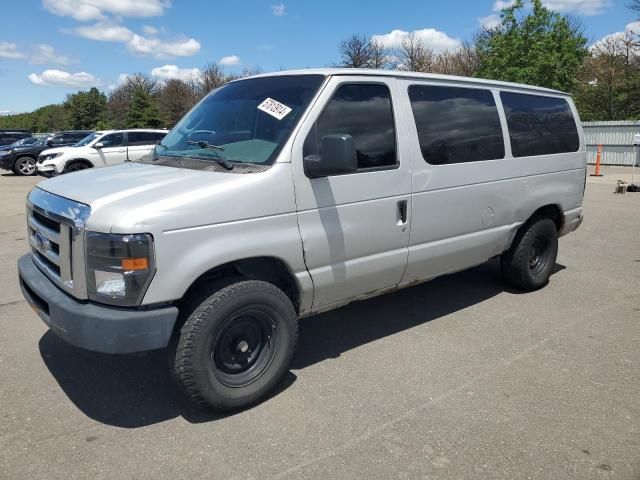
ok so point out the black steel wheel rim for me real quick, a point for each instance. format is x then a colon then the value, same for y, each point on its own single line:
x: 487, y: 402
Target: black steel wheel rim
x: 244, y: 348
x: 539, y: 255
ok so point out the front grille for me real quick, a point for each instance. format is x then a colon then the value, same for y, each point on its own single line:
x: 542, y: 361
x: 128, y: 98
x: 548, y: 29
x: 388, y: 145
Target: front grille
x: 47, y: 222
x: 56, y: 237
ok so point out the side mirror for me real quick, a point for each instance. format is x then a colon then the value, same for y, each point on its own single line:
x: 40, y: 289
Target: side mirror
x: 49, y: 143
x: 98, y: 145
x: 337, y: 157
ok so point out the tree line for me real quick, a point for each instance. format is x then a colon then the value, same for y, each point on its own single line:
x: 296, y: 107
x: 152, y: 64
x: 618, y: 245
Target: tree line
x: 139, y: 101
x: 533, y: 45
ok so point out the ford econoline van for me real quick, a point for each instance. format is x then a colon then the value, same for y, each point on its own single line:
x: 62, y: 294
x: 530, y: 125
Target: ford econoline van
x: 282, y: 195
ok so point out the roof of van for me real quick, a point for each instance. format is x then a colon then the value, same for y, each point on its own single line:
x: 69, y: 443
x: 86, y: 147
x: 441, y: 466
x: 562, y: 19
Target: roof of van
x: 412, y: 75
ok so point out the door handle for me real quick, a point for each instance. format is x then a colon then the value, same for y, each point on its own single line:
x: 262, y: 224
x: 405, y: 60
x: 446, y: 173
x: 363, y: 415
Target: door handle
x: 402, y: 212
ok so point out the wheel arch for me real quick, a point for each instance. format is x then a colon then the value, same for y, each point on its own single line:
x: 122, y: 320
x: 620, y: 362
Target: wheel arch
x: 77, y: 160
x: 25, y: 155
x: 551, y: 211
x: 268, y: 269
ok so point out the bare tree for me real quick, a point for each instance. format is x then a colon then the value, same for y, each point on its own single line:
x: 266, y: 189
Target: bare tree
x: 414, y: 56
x: 175, y: 99
x: 607, y: 86
x: 355, y: 52
x: 378, y: 55
x: 120, y: 97
x: 463, y: 61
x: 211, y: 77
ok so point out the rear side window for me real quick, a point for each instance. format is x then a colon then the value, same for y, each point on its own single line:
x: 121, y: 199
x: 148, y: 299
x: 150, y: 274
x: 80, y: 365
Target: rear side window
x: 539, y: 125
x: 144, y: 138
x: 456, y: 125
x: 363, y: 111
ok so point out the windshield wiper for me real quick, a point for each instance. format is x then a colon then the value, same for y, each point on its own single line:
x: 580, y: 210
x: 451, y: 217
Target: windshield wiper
x: 219, y: 160
x: 203, y: 144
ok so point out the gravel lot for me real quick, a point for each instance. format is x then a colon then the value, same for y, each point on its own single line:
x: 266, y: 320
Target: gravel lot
x: 458, y: 378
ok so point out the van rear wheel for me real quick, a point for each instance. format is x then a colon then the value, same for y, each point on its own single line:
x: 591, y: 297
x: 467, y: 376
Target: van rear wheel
x: 235, y: 345
x: 530, y: 259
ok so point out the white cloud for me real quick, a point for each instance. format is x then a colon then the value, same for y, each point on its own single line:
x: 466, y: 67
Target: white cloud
x: 139, y: 44
x: 500, y: 5
x: 618, y: 41
x: 434, y: 39
x: 65, y: 79
x: 46, y: 54
x: 278, y: 10
x: 580, y: 7
x: 86, y: 10
x: 169, y: 72
x: 122, y: 78
x: 10, y: 50
x: 150, y: 30
x: 4, y: 113
x: 105, y: 32
x: 229, y: 61
x: 145, y: 46
x: 490, y: 21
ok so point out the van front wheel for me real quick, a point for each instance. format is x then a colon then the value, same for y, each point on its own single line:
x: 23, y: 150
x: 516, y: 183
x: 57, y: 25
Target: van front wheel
x: 235, y: 345
x: 530, y: 259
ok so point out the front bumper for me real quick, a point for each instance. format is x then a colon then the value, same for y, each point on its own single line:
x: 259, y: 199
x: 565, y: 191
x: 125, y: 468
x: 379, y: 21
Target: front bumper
x: 46, y: 171
x: 91, y: 326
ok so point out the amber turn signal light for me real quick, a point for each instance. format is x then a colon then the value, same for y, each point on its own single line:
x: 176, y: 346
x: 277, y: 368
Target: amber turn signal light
x: 129, y: 264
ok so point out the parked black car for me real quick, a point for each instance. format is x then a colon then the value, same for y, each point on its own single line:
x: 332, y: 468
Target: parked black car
x: 22, y: 159
x: 21, y: 142
x: 7, y: 137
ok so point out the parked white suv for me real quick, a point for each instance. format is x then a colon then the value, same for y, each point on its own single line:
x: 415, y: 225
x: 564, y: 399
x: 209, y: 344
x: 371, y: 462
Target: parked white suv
x: 100, y: 149
x: 283, y: 195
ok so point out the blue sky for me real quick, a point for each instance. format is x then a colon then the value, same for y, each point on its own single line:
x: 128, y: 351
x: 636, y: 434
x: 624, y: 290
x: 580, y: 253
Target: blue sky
x: 49, y: 48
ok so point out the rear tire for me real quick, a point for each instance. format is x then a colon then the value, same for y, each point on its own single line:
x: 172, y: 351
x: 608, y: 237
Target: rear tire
x: 530, y: 259
x: 25, y: 166
x: 235, y: 345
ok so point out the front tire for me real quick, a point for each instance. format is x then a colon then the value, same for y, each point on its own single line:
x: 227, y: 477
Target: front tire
x: 530, y: 259
x: 75, y: 167
x: 25, y: 166
x: 235, y: 345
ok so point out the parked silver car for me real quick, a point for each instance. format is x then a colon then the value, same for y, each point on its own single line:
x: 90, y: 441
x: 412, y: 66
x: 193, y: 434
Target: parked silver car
x: 283, y: 195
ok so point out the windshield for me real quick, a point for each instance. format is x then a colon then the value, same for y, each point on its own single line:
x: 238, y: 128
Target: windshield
x: 247, y: 121
x: 24, y: 141
x: 88, y: 139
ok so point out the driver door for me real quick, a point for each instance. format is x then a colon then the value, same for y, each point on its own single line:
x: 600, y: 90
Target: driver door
x: 113, y: 150
x: 355, y: 227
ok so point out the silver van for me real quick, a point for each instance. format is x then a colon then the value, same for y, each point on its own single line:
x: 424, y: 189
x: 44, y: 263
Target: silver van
x: 283, y: 195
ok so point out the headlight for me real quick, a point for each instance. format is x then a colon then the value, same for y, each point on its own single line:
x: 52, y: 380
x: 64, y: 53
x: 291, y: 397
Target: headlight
x: 51, y: 156
x: 4, y: 153
x: 119, y: 267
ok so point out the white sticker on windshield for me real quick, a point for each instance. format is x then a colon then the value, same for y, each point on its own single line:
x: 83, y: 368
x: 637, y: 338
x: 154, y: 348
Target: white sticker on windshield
x: 274, y: 108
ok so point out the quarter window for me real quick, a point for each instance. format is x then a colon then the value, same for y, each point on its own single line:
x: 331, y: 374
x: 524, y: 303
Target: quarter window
x: 363, y: 111
x: 456, y: 125
x: 539, y: 125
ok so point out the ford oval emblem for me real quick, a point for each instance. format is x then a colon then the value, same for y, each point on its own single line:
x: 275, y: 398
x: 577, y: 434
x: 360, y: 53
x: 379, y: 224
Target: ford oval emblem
x: 41, y: 242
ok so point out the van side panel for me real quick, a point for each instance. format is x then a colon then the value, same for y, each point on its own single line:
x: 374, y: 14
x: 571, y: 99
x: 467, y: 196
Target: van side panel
x: 466, y: 213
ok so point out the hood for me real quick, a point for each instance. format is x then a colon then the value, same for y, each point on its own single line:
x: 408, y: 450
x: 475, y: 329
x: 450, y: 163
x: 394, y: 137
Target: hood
x: 141, y: 198
x: 49, y: 151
